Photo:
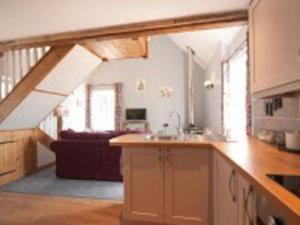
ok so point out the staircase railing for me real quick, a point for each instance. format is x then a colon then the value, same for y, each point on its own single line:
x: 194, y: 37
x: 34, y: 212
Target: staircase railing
x: 15, y: 65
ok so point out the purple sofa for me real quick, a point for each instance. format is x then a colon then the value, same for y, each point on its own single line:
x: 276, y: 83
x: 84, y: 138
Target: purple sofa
x: 83, y: 155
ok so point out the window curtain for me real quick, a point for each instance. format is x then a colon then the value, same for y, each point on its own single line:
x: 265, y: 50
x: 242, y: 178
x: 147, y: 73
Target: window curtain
x: 225, y: 97
x: 248, y: 94
x: 118, y: 106
x: 88, y: 118
x: 226, y: 70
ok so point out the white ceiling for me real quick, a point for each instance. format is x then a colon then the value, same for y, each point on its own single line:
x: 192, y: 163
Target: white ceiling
x: 36, y: 17
x: 205, y: 42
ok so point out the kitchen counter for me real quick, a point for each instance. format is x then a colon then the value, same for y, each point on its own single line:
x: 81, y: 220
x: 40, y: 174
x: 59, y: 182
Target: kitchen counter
x: 251, y: 157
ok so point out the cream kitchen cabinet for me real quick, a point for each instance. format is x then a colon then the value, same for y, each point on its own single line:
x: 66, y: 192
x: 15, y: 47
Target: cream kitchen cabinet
x: 274, y: 46
x: 234, y: 198
x: 169, y: 186
x: 225, y: 192
x: 144, y: 184
x: 246, y: 202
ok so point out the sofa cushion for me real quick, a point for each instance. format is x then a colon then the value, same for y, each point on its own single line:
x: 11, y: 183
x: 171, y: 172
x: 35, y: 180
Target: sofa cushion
x: 71, y: 135
x: 104, y: 135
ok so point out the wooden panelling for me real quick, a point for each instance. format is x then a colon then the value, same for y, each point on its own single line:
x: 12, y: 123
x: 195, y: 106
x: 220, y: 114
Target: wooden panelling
x: 119, y: 48
x: 18, y: 155
x: 32, y: 79
x: 156, y: 27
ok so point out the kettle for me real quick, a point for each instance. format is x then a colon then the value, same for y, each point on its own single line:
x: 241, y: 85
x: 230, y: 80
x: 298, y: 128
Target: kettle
x: 292, y: 140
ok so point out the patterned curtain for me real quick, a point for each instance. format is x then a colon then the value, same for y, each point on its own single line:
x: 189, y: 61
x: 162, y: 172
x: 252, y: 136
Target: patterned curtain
x: 225, y: 97
x: 248, y: 95
x: 226, y: 87
x: 119, y: 106
x: 89, y: 88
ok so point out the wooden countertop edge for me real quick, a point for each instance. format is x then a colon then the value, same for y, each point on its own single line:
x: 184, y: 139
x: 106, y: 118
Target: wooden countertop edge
x: 279, y: 197
x: 163, y: 144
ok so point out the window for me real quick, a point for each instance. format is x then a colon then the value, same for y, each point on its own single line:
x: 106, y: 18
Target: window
x: 103, y: 108
x: 234, y: 95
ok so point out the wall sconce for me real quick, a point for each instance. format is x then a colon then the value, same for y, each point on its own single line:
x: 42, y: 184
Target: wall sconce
x: 166, y: 92
x: 140, y: 84
x: 208, y: 84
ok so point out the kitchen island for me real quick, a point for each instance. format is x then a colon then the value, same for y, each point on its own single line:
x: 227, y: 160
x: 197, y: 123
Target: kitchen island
x: 202, y: 182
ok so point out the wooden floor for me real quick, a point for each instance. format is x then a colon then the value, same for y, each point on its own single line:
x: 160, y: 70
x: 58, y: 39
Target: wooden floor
x: 20, y: 209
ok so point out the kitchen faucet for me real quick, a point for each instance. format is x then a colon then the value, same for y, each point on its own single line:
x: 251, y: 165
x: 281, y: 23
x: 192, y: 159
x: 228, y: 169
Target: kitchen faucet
x: 178, y: 128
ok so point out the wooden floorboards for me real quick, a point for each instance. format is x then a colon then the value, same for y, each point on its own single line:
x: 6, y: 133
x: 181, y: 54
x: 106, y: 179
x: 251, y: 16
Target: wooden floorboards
x: 19, y: 209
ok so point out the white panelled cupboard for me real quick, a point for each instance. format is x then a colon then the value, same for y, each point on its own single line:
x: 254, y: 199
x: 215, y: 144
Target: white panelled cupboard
x: 274, y: 46
x: 167, y: 186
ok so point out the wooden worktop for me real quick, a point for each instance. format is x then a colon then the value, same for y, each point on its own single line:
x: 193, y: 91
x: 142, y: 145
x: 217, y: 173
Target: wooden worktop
x: 138, y: 140
x: 251, y: 157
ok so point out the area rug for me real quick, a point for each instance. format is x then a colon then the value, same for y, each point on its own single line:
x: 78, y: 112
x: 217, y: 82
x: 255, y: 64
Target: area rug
x: 46, y: 183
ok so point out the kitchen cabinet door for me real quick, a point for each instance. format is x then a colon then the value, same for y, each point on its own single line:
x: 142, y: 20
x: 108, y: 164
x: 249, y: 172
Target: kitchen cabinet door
x: 187, y: 187
x: 144, y: 184
x: 225, y: 192
x: 274, y: 44
x: 247, y: 202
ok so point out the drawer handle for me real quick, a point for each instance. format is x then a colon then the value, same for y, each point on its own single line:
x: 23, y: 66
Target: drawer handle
x: 232, y: 175
x: 246, y: 204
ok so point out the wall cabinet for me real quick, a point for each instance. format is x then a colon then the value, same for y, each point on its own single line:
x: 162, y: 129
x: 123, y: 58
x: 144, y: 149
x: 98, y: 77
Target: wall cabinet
x: 274, y: 46
x: 169, y: 186
x: 234, y: 198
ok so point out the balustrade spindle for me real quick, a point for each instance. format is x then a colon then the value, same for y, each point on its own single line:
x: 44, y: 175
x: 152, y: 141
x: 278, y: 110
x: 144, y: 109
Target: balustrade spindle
x: 15, y: 65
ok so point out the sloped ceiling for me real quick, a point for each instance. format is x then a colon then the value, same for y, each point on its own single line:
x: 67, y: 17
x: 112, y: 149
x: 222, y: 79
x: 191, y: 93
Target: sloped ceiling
x: 20, y: 19
x: 205, y: 42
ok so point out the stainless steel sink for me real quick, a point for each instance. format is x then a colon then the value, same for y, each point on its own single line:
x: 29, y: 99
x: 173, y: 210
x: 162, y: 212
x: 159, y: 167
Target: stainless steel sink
x: 161, y: 137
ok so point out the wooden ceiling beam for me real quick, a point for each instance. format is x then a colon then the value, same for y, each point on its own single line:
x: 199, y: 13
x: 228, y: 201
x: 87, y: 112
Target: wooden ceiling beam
x: 155, y: 27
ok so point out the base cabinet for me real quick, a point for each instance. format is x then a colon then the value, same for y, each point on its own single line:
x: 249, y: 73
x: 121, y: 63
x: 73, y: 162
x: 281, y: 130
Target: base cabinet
x: 187, y: 187
x: 234, y: 198
x: 225, y: 193
x: 246, y: 202
x: 144, y: 185
x: 167, y: 186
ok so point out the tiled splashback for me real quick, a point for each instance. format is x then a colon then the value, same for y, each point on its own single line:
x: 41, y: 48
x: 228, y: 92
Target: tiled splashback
x: 286, y: 118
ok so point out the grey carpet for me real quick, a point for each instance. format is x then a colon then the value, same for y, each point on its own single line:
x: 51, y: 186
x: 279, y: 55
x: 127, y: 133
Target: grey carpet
x: 46, y: 183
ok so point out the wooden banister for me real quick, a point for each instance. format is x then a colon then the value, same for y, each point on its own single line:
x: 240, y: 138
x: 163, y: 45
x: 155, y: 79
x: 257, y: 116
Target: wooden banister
x: 32, y: 79
x: 43, y: 138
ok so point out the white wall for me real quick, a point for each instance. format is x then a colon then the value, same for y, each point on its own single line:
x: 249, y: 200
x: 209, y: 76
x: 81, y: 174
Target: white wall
x: 166, y: 66
x: 76, y: 105
x: 213, y: 96
x: 44, y: 156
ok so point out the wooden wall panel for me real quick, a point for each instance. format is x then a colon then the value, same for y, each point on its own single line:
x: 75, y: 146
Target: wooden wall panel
x: 18, y: 154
